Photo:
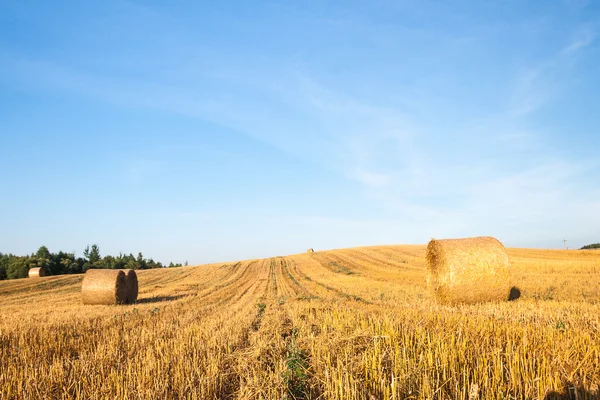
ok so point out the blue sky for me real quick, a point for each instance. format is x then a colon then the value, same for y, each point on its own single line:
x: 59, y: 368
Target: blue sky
x: 215, y: 131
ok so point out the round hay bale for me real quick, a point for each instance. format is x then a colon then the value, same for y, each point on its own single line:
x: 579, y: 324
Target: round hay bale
x: 37, y: 272
x: 132, y: 285
x: 310, y: 250
x: 104, y: 286
x: 471, y: 270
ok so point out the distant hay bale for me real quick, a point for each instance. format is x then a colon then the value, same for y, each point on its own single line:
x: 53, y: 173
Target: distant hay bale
x: 132, y: 285
x: 37, y: 272
x: 104, y: 286
x: 310, y: 250
x: 471, y: 270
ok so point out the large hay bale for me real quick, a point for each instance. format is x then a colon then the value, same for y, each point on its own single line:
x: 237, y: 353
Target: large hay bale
x: 132, y: 285
x: 471, y: 270
x: 37, y: 272
x: 104, y: 286
x: 311, y: 250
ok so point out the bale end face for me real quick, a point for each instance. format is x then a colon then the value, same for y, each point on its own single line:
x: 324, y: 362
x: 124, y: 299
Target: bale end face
x: 470, y: 270
x: 132, y: 286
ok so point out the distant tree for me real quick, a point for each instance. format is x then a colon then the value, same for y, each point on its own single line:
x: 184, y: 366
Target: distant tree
x: 3, y: 265
x: 108, y: 262
x: 591, y: 246
x: 132, y: 263
x: 43, y: 253
x: 17, y: 267
x: 141, y: 261
x: 92, y: 254
x: 68, y: 263
x: 86, y: 265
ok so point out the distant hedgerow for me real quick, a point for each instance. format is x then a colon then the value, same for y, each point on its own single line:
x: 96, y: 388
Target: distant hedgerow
x: 591, y: 246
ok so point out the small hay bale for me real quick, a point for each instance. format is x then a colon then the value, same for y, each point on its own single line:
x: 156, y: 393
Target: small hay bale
x: 311, y: 250
x: 132, y: 285
x: 37, y: 272
x: 104, y: 286
x: 471, y: 270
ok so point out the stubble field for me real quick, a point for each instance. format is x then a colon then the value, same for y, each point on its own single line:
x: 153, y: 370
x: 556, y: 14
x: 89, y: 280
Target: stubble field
x: 343, y: 324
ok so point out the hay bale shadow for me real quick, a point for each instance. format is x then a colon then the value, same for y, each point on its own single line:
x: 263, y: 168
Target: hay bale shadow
x: 160, y: 299
x: 572, y: 392
x: 514, y: 294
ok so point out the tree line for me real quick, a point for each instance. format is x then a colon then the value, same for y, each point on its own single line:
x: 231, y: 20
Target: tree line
x: 14, y: 267
x: 591, y: 246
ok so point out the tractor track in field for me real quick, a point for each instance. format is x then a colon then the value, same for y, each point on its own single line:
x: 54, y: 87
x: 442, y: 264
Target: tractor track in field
x: 338, y: 292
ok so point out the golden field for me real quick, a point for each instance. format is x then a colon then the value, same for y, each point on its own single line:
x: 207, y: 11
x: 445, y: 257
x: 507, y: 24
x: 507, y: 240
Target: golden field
x: 342, y: 324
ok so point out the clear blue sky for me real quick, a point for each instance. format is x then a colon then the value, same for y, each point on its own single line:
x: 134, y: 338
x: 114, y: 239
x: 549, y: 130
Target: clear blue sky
x: 215, y: 131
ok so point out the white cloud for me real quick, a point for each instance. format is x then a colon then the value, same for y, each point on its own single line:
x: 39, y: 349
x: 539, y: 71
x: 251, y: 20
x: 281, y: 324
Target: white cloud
x: 539, y: 84
x: 583, y: 38
x: 372, y: 179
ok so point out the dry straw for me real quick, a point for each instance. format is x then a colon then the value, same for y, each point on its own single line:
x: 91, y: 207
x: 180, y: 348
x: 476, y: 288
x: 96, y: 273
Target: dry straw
x: 132, y: 285
x: 104, y: 286
x: 37, y: 272
x: 471, y: 270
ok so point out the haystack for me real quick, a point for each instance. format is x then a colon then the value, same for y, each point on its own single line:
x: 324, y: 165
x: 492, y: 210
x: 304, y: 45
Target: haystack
x: 37, y: 272
x: 471, y: 270
x: 104, y: 286
x: 132, y: 285
x: 311, y: 250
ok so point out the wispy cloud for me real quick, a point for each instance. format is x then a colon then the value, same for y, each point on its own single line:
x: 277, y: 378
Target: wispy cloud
x: 539, y: 84
x: 583, y: 38
x: 371, y: 178
x: 290, y: 111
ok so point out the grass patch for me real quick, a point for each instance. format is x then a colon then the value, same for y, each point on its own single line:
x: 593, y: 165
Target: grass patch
x: 340, y: 269
x: 296, y: 375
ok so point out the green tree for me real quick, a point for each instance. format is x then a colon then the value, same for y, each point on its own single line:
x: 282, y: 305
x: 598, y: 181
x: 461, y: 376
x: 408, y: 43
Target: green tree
x: 3, y: 265
x: 132, y: 263
x: 17, y: 267
x: 591, y: 246
x: 43, y: 253
x: 66, y: 263
x: 92, y: 254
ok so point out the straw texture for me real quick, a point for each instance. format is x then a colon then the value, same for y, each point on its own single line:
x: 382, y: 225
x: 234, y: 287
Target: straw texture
x: 104, y: 286
x: 132, y: 285
x: 37, y: 272
x: 470, y: 270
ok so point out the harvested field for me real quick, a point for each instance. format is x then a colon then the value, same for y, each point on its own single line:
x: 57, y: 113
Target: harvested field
x: 345, y: 324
